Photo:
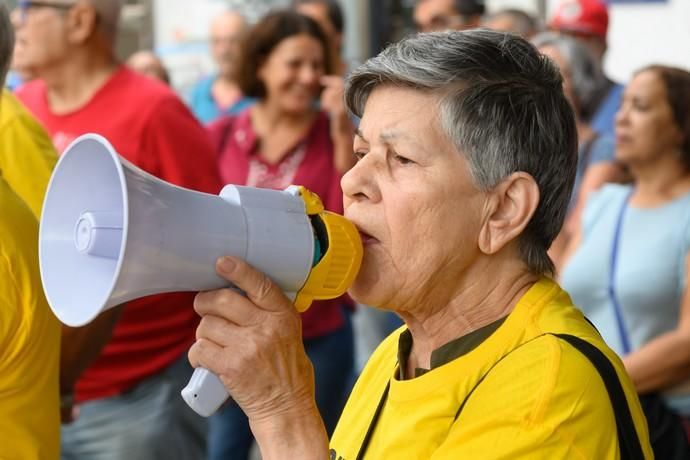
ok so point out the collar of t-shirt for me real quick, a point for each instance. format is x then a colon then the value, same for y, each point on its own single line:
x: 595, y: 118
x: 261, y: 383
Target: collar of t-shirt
x: 445, y: 353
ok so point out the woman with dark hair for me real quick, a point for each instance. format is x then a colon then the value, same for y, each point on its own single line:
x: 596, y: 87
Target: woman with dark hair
x: 629, y: 266
x: 298, y: 132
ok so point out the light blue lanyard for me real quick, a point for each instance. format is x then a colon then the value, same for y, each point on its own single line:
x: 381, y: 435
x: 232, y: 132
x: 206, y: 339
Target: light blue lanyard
x: 618, y: 311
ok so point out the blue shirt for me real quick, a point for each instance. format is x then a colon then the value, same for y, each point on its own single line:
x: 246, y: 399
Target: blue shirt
x: 604, y: 119
x: 650, y: 271
x: 601, y: 148
x: 205, y: 107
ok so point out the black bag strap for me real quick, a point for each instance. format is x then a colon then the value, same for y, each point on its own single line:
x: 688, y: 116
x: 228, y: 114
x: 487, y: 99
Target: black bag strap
x: 628, y: 441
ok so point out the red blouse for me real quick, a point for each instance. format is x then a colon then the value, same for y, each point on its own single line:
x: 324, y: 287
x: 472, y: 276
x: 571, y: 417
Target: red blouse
x: 309, y: 163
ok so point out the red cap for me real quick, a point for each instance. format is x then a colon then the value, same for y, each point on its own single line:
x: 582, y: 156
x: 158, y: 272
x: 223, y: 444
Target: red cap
x: 581, y: 16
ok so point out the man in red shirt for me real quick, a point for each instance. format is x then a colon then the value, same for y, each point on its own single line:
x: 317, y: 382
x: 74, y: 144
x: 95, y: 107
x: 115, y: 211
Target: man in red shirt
x: 125, y: 369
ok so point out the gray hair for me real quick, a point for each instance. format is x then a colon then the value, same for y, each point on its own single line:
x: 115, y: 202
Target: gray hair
x: 585, y: 72
x: 6, y: 42
x: 502, y: 105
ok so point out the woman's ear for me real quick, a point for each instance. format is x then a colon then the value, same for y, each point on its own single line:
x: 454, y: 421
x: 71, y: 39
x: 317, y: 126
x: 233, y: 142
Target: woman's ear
x: 512, y: 204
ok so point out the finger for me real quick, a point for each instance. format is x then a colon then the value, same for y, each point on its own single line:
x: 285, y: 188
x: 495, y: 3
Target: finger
x: 258, y: 287
x: 228, y: 304
x: 209, y: 356
x: 217, y: 330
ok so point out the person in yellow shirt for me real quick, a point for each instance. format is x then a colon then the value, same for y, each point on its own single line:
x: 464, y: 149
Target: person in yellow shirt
x: 27, y: 155
x: 511, y: 389
x: 467, y: 152
x: 29, y: 341
x: 29, y: 333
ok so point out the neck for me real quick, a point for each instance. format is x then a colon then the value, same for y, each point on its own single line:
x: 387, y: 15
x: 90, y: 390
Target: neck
x: 477, y: 301
x: 270, y: 114
x: 74, y: 82
x: 225, y: 90
x: 659, y: 181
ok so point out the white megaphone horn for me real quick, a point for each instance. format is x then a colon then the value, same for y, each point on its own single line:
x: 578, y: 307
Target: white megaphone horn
x: 111, y: 233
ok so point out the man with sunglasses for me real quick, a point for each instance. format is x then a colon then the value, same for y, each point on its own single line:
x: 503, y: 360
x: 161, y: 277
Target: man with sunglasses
x: 124, y: 370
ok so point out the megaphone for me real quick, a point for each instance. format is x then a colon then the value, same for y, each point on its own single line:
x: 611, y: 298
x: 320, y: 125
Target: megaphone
x: 111, y: 233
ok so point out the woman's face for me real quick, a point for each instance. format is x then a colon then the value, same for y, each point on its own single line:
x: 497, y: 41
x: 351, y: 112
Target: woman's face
x: 645, y: 127
x: 292, y: 71
x: 412, y: 197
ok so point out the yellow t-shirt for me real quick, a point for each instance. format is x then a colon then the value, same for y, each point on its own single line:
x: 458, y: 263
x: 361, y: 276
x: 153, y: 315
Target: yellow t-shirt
x: 543, y: 400
x: 29, y: 341
x: 27, y: 155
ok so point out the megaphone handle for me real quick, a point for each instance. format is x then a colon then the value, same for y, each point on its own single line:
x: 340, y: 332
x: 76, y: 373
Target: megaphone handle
x: 204, y: 393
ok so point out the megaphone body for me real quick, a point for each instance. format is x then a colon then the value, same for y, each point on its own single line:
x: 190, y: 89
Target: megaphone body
x: 111, y: 233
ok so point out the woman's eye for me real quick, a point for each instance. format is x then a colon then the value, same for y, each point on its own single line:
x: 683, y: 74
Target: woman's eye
x: 359, y: 155
x: 640, y: 105
x: 402, y: 160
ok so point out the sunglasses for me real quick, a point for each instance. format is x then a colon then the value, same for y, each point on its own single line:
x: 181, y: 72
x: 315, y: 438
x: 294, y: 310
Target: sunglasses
x: 25, y: 5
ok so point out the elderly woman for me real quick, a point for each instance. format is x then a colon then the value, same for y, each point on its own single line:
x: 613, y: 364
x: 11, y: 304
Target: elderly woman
x: 466, y: 157
x: 629, y: 268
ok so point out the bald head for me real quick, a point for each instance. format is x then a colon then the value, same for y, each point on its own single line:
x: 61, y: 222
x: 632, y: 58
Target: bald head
x: 226, y: 32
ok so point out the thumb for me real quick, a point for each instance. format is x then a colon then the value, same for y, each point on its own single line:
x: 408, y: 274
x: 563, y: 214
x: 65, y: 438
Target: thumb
x: 258, y: 287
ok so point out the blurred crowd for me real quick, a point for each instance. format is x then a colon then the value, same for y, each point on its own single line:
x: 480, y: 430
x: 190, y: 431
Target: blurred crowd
x: 272, y: 115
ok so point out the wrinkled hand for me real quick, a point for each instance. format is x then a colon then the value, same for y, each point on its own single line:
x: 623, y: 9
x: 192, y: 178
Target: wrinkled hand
x: 253, y: 342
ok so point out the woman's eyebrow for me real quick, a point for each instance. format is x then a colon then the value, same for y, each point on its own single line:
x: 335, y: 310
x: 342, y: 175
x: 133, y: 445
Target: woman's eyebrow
x: 359, y: 134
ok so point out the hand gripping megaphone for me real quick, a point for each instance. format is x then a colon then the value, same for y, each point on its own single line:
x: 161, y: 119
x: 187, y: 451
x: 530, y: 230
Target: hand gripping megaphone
x: 111, y: 233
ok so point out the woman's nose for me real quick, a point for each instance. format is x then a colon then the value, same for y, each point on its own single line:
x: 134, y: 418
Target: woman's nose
x: 621, y: 116
x: 309, y: 75
x: 360, y: 182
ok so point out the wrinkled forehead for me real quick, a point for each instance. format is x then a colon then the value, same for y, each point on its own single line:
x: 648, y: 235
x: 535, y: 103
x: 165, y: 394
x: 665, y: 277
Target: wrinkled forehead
x: 395, y: 114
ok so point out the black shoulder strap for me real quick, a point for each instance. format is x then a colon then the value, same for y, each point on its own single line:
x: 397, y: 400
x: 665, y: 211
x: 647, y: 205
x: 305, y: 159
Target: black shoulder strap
x: 628, y: 441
